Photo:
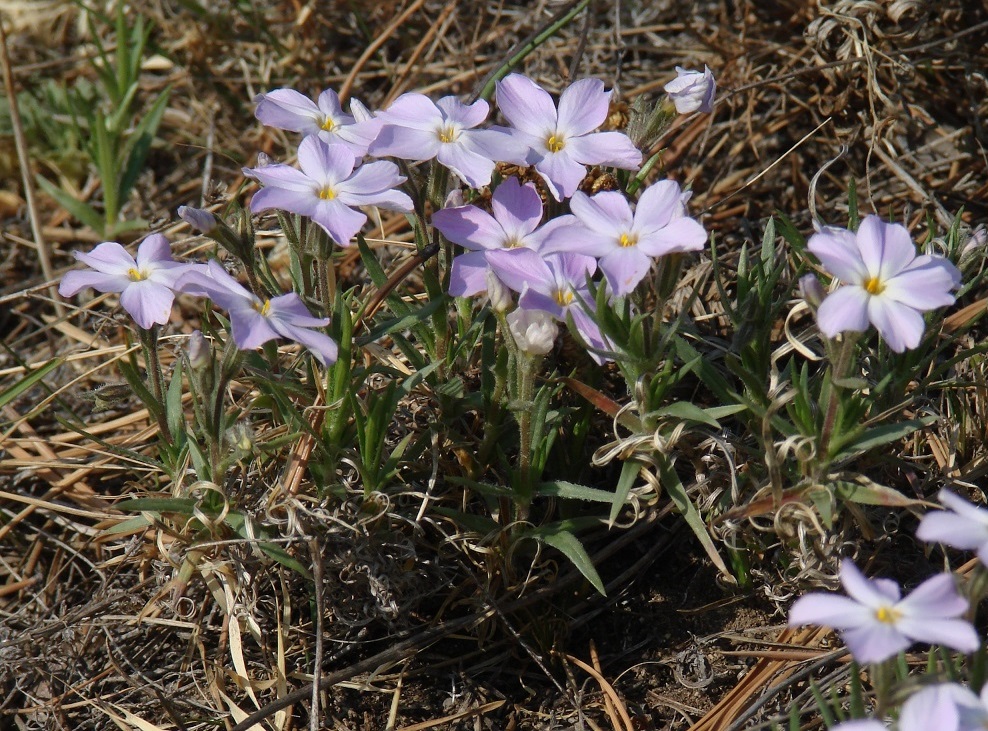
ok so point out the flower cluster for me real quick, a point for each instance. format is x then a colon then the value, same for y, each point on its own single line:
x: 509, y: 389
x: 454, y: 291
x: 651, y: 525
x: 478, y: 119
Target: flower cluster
x: 147, y: 286
x: 877, y: 623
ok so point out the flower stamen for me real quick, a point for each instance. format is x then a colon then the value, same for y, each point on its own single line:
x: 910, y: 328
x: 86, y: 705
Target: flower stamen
x: 136, y: 275
x: 327, y: 193
x: 448, y: 133
x: 563, y: 297
x: 627, y: 240
x: 328, y: 124
x: 555, y: 143
x: 264, y: 308
x: 888, y: 615
x: 874, y: 285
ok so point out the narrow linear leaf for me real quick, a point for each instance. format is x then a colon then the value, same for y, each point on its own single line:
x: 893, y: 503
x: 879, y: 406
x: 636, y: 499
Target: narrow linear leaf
x: 569, y: 545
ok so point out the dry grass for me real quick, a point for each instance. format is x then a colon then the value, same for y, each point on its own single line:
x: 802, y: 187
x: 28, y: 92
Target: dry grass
x: 109, y: 624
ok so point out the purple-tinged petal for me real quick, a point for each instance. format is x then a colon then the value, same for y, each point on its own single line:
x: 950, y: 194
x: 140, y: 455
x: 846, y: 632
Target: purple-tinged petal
x: 475, y: 170
x: 464, y: 115
x: 325, y: 164
x: 78, y: 279
x: 526, y: 105
x: 934, y: 707
x: 338, y: 220
x: 469, y: 227
x: 605, y: 148
x: 468, y: 276
x: 862, y: 724
x: 924, y: 284
x: 583, y: 107
x: 561, y: 173
x: 322, y: 346
x: 405, y: 143
x: 874, y: 642
x: 935, y: 597
x: 844, y: 310
x: 372, y: 179
x: 497, y: 144
x: 108, y: 257
x: 284, y: 177
x: 625, y: 268
x: 900, y: 325
x: 872, y: 593
x: 290, y: 308
x: 591, y: 334
x: 682, y: 234
x: 963, y: 508
x: 607, y: 213
x: 250, y: 329
x: 572, y: 267
x: 517, y: 208
x: 520, y: 269
x: 837, y: 249
x: 559, y: 234
x: 829, y: 610
x: 952, y: 529
x: 533, y: 300
x: 283, y: 199
x: 412, y: 110
x: 886, y: 249
x: 658, y: 206
x: 329, y: 104
x: 148, y: 303
x: 289, y: 110
x: 957, y: 634
x: 153, y: 250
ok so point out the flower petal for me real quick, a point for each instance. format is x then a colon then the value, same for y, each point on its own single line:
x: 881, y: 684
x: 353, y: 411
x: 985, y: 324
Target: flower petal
x: 108, y: 258
x: 289, y: 308
x: 829, y: 610
x: 924, y: 284
x: 322, y: 346
x: 562, y: 174
x: 250, y: 329
x: 957, y: 634
x: 583, y: 107
x: 283, y: 199
x: 843, y: 311
x: 871, y: 593
x: 463, y: 115
x: 659, y: 204
x: 625, y: 268
x: 874, y: 642
x: 937, y: 597
x: 289, y: 110
x: 682, y: 234
x: 886, y: 248
x: 149, y: 303
x: 338, y: 220
x: 474, y: 169
x: 607, y: 213
x: 900, y: 325
x: 78, y: 279
x: 526, y: 105
x: 517, y: 208
x: 468, y: 275
x: 837, y: 249
x: 414, y: 111
x: 284, y: 177
x: 405, y: 143
x: 952, y: 529
x: 154, y: 249
x: 521, y: 269
x: 469, y: 226
x: 326, y: 164
x: 605, y: 148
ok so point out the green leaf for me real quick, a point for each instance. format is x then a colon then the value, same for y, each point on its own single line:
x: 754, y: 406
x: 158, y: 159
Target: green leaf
x: 573, y: 491
x: 629, y: 473
x: 174, y: 414
x: 569, y: 545
x: 879, y: 436
x: 687, y: 412
x: 32, y: 377
x: 866, y: 492
x: 127, y: 526
x: 136, y: 149
x: 180, y: 505
x: 83, y: 212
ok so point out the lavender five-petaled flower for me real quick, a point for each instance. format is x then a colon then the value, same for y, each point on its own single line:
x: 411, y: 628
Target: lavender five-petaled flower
x: 416, y: 128
x: 626, y: 242
x: 517, y: 212
x: 146, y: 284
x: 886, y: 283
x: 255, y: 321
x: 876, y: 623
x: 562, y: 142
x: 692, y: 91
x: 288, y: 109
x: 556, y: 284
x: 328, y: 187
x: 962, y: 525
x: 944, y: 707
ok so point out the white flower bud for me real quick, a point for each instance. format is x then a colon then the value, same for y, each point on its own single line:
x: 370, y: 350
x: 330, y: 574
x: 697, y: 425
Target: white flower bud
x: 692, y: 91
x: 534, y: 331
x: 198, y: 350
x: 197, y: 218
x: 499, y: 295
x: 811, y: 290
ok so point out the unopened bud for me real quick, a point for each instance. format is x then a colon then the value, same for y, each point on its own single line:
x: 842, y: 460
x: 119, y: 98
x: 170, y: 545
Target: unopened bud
x: 811, y: 290
x: 500, y: 296
x: 534, y: 331
x: 198, y: 349
x: 692, y: 91
x: 198, y: 218
x: 977, y: 240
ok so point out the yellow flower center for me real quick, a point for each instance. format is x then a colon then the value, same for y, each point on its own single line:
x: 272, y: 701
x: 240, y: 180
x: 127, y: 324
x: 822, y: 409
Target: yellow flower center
x: 263, y: 307
x: 563, y: 297
x: 327, y: 193
x: 627, y: 240
x: 873, y: 285
x: 512, y: 244
x: 888, y: 615
x: 448, y: 134
x: 554, y: 143
x: 328, y: 124
x: 136, y: 275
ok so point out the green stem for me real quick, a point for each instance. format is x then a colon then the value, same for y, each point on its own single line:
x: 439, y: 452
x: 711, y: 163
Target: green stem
x: 837, y: 372
x: 156, y: 380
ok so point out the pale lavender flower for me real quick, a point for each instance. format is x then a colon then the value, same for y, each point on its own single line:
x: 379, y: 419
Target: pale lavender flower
x: 944, y: 707
x: 886, y: 283
x: 416, y: 128
x: 692, y: 91
x: 876, y: 623
x: 146, y: 284
x: 327, y: 188
x: 254, y: 321
x: 562, y: 142
x: 198, y: 218
x: 862, y: 724
x: 626, y: 242
x: 962, y: 525
x: 556, y: 284
x: 289, y: 110
x: 517, y: 212
x: 533, y: 331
